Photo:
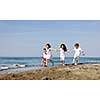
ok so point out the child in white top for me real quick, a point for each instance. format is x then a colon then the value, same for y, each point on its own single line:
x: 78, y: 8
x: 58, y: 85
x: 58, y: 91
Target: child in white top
x: 77, y: 52
x: 44, y: 58
x: 63, y: 49
x: 49, y: 53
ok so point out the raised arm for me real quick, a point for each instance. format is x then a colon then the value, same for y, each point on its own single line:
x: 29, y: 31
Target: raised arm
x: 83, y: 53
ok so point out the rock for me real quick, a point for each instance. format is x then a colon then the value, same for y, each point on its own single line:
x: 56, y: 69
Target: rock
x: 45, y: 78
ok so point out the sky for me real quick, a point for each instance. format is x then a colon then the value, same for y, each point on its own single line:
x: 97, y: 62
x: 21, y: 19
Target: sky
x: 26, y: 38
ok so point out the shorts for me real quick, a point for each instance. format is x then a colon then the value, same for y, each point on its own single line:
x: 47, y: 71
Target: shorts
x: 76, y: 56
x: 44, y: 59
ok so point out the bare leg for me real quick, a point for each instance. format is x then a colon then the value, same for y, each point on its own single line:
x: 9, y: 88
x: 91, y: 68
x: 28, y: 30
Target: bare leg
x: 44, y: 63
x: 63, y: 62
x: 75, y: 61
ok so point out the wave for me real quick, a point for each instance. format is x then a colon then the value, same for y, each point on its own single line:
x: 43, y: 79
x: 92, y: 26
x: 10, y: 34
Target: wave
x: 37, y: 60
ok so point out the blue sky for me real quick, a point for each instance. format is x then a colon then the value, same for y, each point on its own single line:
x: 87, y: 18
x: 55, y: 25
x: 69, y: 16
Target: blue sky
x: 27, y: 38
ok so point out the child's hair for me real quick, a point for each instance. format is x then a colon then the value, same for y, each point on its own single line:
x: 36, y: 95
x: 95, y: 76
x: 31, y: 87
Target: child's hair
x: 44, y: 48
x: 65, y: 48
x: 77, y: 44
x: 48, y: 45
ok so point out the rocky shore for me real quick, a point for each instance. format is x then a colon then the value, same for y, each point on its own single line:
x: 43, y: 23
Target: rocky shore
x: 68, y: 72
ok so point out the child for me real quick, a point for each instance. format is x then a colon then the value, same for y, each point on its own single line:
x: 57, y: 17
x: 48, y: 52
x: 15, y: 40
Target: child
x: 49, y: 53
x: 44, y: 58
x: 77, y: 52
x: 63, y: 49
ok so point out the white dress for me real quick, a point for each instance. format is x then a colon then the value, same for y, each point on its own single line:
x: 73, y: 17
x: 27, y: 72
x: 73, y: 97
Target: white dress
x: 62, y: 54
x: 77, y: 52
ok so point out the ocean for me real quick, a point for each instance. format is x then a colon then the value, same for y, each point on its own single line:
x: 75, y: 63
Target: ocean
x: 35, y: 62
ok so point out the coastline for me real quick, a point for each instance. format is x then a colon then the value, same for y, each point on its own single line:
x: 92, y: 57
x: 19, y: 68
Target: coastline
x: 68, y: 72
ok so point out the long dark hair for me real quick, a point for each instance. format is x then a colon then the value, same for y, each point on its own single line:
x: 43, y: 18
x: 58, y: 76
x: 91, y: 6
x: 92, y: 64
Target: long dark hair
x: 65, y: 48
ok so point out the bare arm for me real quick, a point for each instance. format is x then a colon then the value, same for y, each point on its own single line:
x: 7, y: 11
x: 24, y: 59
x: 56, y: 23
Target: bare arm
x: 55, y: 49
x: 82, y: 52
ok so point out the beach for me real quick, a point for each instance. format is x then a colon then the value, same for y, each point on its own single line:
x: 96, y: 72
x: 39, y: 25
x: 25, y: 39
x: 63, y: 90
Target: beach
x: 68, y: 72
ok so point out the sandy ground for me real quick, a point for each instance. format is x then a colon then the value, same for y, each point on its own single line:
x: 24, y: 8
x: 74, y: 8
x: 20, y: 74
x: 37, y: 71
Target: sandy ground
x: 68, y: 72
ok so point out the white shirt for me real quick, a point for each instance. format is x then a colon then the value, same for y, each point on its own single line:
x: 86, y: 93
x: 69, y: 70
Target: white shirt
x: 44, y: 55
x: 77, y: 52
x: 49, y: 53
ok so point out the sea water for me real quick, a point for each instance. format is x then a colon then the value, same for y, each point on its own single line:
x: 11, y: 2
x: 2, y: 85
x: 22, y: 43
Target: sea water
x: 36, y: 61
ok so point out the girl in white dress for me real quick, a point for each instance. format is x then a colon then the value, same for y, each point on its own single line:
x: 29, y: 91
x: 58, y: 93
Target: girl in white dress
x: 63, y: 49
x: 49, y: 53
x: 77, y: 52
